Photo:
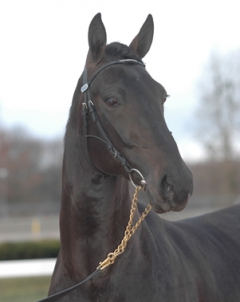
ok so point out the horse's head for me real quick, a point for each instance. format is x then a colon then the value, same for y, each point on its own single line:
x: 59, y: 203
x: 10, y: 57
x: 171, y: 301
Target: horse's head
x: 130, y: 106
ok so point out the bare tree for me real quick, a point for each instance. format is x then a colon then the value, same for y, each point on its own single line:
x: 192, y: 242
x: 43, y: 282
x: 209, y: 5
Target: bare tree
x: 218, y: 113
x: 33, y: 166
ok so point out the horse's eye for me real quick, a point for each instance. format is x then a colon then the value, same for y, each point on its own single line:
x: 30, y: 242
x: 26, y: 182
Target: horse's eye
x: 111, y: 102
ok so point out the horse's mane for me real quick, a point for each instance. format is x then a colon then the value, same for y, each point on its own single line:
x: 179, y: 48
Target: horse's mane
x: 121, y: 51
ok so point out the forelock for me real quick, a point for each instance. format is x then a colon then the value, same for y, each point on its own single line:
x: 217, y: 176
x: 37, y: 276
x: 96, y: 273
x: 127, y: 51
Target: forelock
x: 120, y: 51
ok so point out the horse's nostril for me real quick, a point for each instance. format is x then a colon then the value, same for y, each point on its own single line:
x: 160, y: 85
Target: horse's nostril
x: 166, y: 189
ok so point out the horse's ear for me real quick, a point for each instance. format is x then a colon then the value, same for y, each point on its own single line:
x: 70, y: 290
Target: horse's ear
x: 97, y: 37
x: 142, y: 42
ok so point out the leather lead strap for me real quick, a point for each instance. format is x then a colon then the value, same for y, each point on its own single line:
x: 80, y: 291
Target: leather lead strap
x: 59, y: 295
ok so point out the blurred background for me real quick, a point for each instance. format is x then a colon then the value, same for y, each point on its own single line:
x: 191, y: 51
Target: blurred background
x: 195, y: 55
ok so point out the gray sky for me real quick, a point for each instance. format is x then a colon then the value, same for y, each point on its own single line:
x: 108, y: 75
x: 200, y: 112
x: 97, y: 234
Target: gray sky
x: 44, y: 46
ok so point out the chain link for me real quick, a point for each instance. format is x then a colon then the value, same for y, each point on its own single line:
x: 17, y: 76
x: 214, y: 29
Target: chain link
x: 130, y: 230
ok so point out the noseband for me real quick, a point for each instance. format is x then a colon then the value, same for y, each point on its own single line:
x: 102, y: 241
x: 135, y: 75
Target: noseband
x: 89, y: 108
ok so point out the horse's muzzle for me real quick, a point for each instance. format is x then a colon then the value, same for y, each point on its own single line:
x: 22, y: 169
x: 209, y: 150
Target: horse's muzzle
x: 172, y: 194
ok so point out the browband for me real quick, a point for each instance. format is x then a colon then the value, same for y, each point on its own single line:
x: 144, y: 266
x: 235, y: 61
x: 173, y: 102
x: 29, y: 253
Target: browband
x: 87, y: 84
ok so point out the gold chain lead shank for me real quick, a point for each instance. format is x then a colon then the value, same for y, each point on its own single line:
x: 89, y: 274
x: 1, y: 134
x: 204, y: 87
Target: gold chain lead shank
x: 130, y: 230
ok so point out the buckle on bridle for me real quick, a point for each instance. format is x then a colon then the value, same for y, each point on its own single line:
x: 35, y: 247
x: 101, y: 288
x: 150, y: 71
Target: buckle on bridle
x: 84, y: 88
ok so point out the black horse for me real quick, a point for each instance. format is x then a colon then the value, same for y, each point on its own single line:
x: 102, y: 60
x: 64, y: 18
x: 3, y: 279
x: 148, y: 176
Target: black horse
x: 116, y: 129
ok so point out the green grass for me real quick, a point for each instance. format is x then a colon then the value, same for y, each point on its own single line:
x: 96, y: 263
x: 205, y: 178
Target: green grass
x: 24, y: 289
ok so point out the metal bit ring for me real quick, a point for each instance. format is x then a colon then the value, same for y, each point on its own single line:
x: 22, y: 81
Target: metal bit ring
x: 143, y: 181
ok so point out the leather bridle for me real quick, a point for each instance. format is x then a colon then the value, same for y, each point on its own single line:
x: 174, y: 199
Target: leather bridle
x: 88, y: 107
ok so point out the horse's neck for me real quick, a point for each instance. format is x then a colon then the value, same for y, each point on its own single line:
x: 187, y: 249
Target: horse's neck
x: 94, y: 213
